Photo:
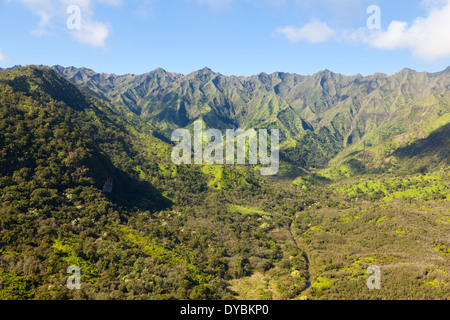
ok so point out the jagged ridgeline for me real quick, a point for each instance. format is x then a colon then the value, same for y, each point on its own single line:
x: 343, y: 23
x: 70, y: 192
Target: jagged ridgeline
x: 87, y: 179
x: 319, y: 116
x: 55, y: 135
x: 88, y: 184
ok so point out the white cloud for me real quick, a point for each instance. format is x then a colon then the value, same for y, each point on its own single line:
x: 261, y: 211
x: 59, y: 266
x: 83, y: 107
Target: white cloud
x: 93, y: 34
x: 3, y: 58
x: 53, y: 12
x: 315, y: 32
x: 428, y: 38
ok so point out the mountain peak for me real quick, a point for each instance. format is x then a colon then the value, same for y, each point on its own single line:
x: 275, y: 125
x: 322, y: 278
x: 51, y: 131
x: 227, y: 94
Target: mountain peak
x: 49, y: 82
x: 404, y: 71
x: 202, y: 74
x: 407, y: 70
x: 324, y: 74
x: 205, y: 71
x: 159, y: 70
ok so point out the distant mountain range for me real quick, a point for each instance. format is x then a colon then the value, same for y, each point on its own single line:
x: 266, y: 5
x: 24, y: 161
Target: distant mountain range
x: 325, y: 118
x: 320, y: 116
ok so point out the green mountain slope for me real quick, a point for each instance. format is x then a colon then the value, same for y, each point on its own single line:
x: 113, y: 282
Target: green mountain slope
x: 85, y: 181
x: 63, y: 138
x: 357, y: 112
x: 161, y: 231
x: 428, y: 153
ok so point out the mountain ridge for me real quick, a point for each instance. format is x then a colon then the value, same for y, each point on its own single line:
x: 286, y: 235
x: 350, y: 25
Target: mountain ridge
x: 332, y: 114
x: 245, y: 76
x: 356, y: 110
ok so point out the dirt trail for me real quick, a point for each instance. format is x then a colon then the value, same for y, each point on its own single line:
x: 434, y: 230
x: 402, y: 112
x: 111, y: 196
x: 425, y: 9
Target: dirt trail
x: 305, y: 256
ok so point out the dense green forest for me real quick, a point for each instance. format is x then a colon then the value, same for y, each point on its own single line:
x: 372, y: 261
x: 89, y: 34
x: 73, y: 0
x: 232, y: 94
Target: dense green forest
x: 346, y: 197
x: 323, y: 117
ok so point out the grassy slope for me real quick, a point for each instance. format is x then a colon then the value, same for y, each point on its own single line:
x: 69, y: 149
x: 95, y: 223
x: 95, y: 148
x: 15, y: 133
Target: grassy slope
x: 227, y: 233
x: 132, y: 243
x: 358, y: 112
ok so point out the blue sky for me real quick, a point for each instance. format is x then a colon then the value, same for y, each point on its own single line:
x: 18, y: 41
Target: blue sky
x: 239, y: 37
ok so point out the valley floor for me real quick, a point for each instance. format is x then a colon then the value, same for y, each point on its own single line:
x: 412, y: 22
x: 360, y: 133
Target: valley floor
x: 401, y: 225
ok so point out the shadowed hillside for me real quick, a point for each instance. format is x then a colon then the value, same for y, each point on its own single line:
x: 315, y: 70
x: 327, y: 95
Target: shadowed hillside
x: 86, y: 179
x: 319, y: 116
